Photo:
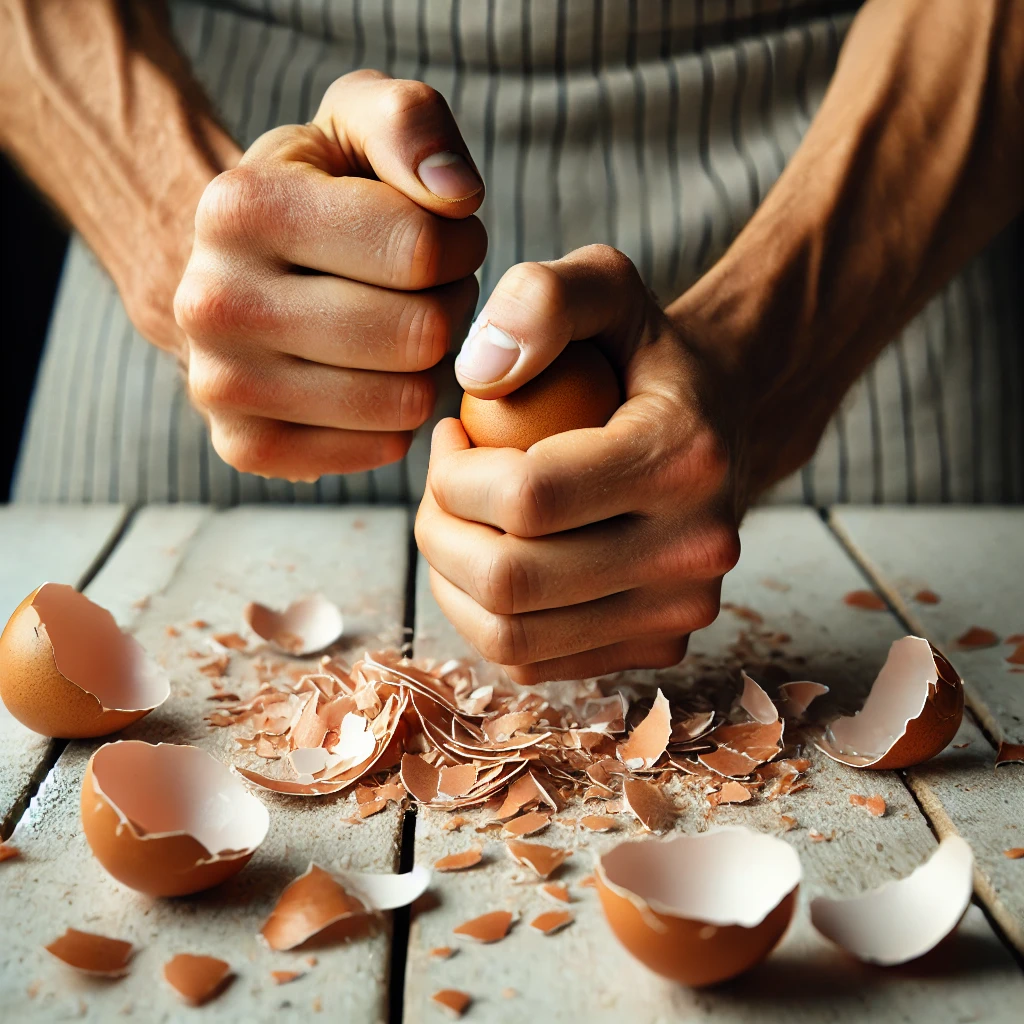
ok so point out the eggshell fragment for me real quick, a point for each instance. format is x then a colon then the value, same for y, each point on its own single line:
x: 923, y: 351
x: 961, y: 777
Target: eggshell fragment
x: 454, y: 1001
x: 699, y: 909
x: 542, y: 859
x: 7, y: 852
x: 905, y: 918
x: 557, y: 891
x: 797, y: 697
x: 598, y: 822
x: 168, y: 819
x: 912, y: 712
x: 527, y: 824
x: 91, y: 953
x: 67, y: 670
x: 579, y: 389
x: 977, y: 637
x: 304, y: 627
x: 551, y: 921
x: 646, y: 802
x: 486, y: 928
x: 1009, y: 753
x: 460, y: 861
x: 197, y: 979
x: 647, y: 742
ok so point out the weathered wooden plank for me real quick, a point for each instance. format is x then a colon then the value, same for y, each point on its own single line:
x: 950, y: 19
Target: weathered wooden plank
x: 59, y: 544
x: 974, y: 560
x: 358, y: 558
x: 581, y: 973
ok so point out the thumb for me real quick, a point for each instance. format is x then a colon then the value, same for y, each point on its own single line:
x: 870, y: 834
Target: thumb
x: 536, y: 309
x: 403, y: 132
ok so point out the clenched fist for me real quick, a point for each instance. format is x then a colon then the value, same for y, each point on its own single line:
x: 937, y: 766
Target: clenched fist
x: 331, y: 269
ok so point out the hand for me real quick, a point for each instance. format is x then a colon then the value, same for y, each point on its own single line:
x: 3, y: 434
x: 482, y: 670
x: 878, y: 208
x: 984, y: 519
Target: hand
x: 598, y: 549
x: 330, y: 270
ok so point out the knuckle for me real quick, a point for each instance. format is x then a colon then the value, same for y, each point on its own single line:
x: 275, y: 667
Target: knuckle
x: 248, y: 446
x: 426, y: 330
x: 415, y: 401
x: 536, y: 287
x: 415, y: 252
x: 222, y: 385
x: 528, y: 504
x: 709, y: 459
x: 504, y: 640
x: 406, y: 99
x: 230, y: 204
x: 210, y: 307
x: 501, y: 583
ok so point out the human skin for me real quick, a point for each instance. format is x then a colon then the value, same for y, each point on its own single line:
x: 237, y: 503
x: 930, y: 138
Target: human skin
x: 596, y: 550
x: 603, y: 549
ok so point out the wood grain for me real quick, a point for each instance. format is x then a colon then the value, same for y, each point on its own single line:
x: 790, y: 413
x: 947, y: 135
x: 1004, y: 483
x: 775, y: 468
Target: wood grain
x: 40, y: 544
x: 974, y: 560
x: 794, y: 574
x: 357, y: 558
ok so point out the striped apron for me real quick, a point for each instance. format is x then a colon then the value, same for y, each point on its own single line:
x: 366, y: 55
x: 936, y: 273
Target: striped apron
x: 656, y: 126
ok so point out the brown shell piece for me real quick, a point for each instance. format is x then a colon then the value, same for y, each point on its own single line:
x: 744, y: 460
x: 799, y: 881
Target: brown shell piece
x: 927, y: 596
x: 977, y: 637
x: 8, y: 852
x: 542, y: 859
x: 1014, y: 853
x: 168, y: 819
x: 866, y: 600
x: 647, y: 742
x: 1016, y: 657
x: 598, y: 822
x: 1009, y: 753
x: 912, y: 712
x: 304, y: 627
x: 551, y: 921
x: 284, y: 977
x: 557, y: 891
x: 91, y: 953
x: 442, y: 953
x: 527, y: 824
x: 486, y: 928
x: 197, y: 979
x: 731, y: 793
x: 648, y: 804
x: 420, y: 778
x: 67, y: 670
x: 874, y: 805
x: 454, y: 1001
x: 460, y: 861
x: 306, y: 907
x: 742, y: 747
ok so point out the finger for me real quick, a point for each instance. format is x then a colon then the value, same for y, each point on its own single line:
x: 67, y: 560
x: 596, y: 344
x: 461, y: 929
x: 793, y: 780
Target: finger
x: 295, y: 391
x: 507, y: 575
x: 538, y: 308
x: 556, y: 633
x: 326, y: 319
x: 404, y: 132
x: 290, y: 451
x: 645, y: 652
x: 297, y: 215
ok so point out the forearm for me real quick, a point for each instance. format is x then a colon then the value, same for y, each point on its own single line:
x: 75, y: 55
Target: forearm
x: 912, y: 164
x: 101, y: 112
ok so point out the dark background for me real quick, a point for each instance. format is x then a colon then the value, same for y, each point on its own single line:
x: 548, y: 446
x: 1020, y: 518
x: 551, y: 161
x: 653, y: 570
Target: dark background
x: 32, y: 244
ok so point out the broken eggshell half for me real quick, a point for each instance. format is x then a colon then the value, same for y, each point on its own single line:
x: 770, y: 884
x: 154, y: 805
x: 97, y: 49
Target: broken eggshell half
x: 913, y: 711
x: 304, y: 627
x: 67, y: 670
x: 168, y: 819
x: 904, y: 918
x: 700, y: 909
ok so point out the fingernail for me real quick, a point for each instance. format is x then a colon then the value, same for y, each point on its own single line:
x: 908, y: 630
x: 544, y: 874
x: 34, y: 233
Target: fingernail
x: 449, y: 176
x: 487, y: 355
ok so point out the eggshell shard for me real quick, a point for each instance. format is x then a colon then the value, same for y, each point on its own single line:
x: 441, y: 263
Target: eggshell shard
x: 197, y: 979
x: 700, y: 909
x: 578, y: 390
x: 913, y: 711
x: 67, y: 670
x: 304, y: 627
x: 905, y: 918
x: 91, y: 953
x: 486, y: 928
x: 460, y: 861
x: 647, y: 742
x: 168, y: 819
x: 551, y: 921
x: 454, y: 1001
x: 540, y: 858
x: 318, y: 898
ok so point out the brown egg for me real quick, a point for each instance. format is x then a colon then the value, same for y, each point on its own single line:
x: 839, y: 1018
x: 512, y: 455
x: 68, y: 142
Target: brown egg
x: 699, y: 909
x: 912, y: 713
x: 579, y: 389
x: 67, y: 670
x: 168, y: 819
